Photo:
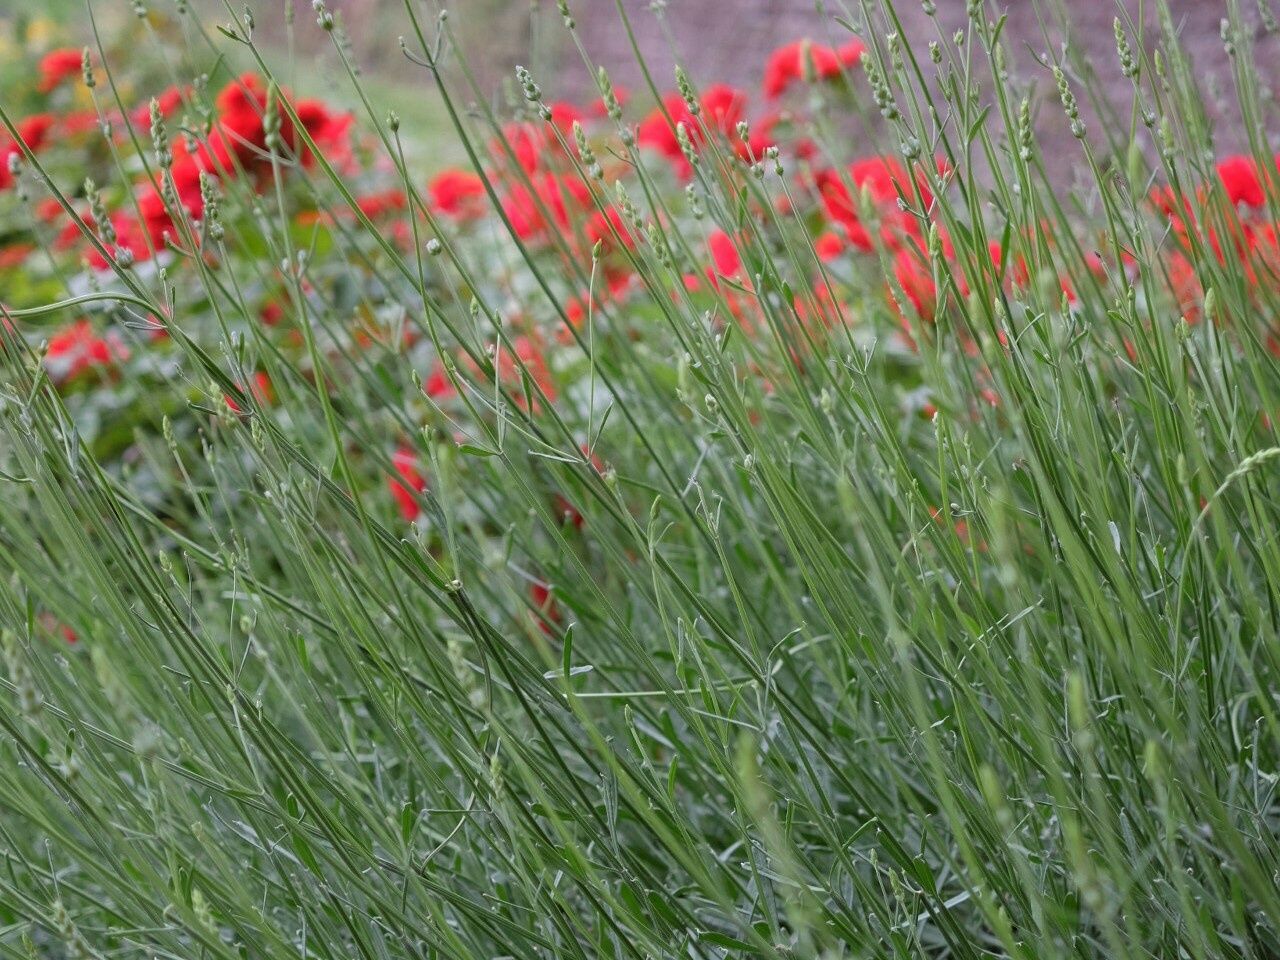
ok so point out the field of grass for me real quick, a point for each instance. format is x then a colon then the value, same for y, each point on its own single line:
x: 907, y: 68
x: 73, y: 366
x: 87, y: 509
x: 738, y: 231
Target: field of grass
x: 690, y: 523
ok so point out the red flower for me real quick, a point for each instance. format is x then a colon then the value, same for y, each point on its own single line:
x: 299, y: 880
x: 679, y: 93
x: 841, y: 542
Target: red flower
x: 156, y: 216
x: 658, y: 132
x: 1240, y: 180
x: 49, y: 210
x: 529, y: 142
x: 1019, y: 274
x: 546, y: 610
x: 246, y: 93
x: 525, y: 140
x: 130, y: 235
x: 722, y: 107
x: 914, y: 275
x: 563, y: 116
x: 259, y: 388
x: 724, y: 255
x: 554, y: 195
x: 788, y: 63
x: 438, y: 386
x: 759, y: 140
x: 828, y: 246
x: 76, y: 349
x: 239, y: 134
x: 15, y: 254
x: 79, y: 121
x: 375, y: 205
x: 169, y: 102
x: 457, y: 194
x: 607, y: 225
x: 577, y: 308
x: 961, y: 527
x: 34, y: 132
x: 882, y: 178
x: 528, y: 359
x: 56, y: 626
x: 621, y: 94
x: 408, y: 482
x: 330, y: 132
x: 57, y: 65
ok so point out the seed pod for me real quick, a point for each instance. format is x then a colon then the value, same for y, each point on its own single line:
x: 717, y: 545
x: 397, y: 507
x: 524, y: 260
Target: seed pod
x: 880, y: 91
x: 585, y: 153
x: 1128, y: 63
x: 611, y: 104
x: 687, y: 92
x: 1069, y: 103
x: 271, y: 118
x: 1026, y: 136
x: 160, y: 138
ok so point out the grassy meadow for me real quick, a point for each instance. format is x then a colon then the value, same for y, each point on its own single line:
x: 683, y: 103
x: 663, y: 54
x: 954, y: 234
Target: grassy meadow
x: 444, y: 519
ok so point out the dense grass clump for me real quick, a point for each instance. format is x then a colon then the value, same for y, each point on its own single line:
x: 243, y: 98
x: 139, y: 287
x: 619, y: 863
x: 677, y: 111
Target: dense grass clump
x: 684, y: 530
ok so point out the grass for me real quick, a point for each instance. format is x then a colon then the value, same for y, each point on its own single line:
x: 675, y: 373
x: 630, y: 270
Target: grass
x: 734, y: 633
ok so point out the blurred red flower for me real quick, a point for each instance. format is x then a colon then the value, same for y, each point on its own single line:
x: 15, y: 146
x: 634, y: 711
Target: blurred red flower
x: 457, y: 194
x: 76, y: 349
x: 407, y: 483
x: 722, y: 106
x: 58, y: 65
x: 792, y: 61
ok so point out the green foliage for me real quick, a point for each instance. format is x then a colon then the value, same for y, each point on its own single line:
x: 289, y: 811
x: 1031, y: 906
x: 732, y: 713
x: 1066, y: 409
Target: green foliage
x: 918, y: 599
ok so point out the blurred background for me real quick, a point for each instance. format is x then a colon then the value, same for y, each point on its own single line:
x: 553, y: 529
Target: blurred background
x: 717, y: 40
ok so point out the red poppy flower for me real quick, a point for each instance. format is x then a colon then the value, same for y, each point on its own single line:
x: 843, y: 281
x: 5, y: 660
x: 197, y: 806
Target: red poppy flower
x: 759, y: 139
x: 528, y: 359
x: 457, y: 194
x: 546, y: 610
x: 156, y: 216
x: 78, y: 121
x: 915, y: 277
x: 169, y: 102
x: 34, y: 130
x: 438, y: 386
x: 56, y: 626
x: 788, y: 63
x: 722, y: 106
x: 329, y: 131
x: 76, y: 349
x: 724, y: 255
x: 828, y: 246
x: 15, y: 254
x: 527, y: 141
x: 563, y: 116
x: 1240, y: 180
x: 608, y: 226
x: 246, y: 93
x: 259, y: 387
x: 34, y: 133
x: 130, y: 236
x: 882, y: 178
x: 375, y: 205
x: 408, y: 482
x: 555, y: 195
x: 57, y: 65
x: 621, y: 94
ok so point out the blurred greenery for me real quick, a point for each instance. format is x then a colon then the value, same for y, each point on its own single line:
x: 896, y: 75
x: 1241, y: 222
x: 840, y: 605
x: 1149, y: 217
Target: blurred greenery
x: 497, y: 32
